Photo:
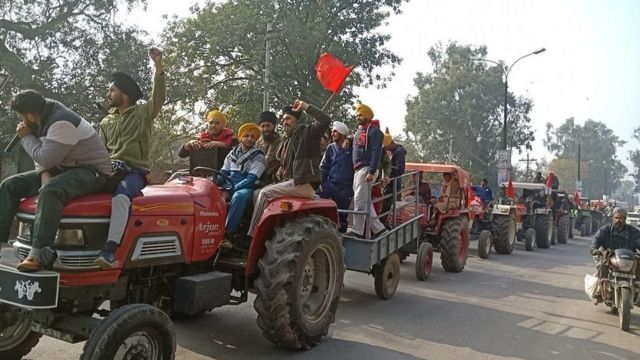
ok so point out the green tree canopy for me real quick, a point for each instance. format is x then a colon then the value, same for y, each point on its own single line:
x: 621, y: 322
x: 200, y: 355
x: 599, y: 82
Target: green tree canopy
x: 634, y: 156
x: 601, y: 171
x: 218, y: 54
x: 462, y: 99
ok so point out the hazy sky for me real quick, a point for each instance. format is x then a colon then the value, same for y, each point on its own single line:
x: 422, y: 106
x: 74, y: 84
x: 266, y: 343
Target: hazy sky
x: 591, y: 69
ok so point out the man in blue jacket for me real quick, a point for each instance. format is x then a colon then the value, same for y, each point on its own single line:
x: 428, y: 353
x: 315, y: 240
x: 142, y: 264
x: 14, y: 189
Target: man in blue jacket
x: 336, y: 169
x: 244, y: 165
x: 367, y: 152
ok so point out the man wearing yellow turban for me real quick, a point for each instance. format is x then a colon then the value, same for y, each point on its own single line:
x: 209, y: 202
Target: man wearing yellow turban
x: 243, y: 166
x: 217, y: 135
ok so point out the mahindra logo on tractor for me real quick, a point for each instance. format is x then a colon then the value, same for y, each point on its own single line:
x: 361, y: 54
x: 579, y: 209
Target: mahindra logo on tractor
x: 27, y: 288
x: 208, y: 227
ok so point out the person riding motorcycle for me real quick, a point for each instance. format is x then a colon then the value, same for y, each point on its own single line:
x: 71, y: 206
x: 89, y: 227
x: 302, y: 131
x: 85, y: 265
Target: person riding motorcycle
x: 617, y: 235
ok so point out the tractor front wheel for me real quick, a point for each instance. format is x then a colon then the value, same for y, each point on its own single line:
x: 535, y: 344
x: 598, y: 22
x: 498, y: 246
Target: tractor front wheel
x: 16, y: 337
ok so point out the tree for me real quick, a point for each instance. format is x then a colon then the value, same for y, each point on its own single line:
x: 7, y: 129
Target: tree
x: 462, y: 100
x: 634, y: 156
x: 601, y: 171
x: 67, y: 49
x: 218, y: 54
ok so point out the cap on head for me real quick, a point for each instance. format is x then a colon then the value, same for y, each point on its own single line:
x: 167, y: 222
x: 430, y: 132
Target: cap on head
x: 249, y: 128
x: 289, y: 110
x: 340, y: 127
x: 127, y: 85
x: 267, y: 116
x: 217, y: 116
x: 388, y: 139
x: 364, y: 111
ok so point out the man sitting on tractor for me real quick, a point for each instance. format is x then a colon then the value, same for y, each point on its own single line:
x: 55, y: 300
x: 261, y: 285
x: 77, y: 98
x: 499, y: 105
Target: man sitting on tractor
x: 217, y: 135
x: 63, y: 145
x: 243, y: 166
x: 449, y: 196
x: 484, y: 192
x: 300, y: 154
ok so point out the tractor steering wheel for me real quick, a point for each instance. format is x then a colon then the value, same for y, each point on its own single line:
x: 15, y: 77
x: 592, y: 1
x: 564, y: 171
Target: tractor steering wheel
x: 202, y: 171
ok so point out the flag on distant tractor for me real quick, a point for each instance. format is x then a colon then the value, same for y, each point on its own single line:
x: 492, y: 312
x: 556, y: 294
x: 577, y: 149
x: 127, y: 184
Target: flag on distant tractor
x: 511, y: 192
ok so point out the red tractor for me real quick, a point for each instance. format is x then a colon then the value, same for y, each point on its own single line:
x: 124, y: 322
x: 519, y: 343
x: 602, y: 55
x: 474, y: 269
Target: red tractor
x: 170, y: 263
x: 447, y: 231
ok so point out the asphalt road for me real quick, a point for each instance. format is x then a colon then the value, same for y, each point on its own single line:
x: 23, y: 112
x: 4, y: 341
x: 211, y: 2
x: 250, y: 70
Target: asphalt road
x: 527, y: 305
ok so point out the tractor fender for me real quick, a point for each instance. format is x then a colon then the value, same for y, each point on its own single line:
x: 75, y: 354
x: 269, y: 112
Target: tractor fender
x: 279, y: 211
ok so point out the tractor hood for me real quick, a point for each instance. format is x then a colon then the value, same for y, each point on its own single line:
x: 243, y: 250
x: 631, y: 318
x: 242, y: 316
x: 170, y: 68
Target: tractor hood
x: 168, y: 199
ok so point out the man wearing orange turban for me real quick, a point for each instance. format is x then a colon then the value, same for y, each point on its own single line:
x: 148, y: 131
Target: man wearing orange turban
x: 217, y: 135
x: 242, y: 167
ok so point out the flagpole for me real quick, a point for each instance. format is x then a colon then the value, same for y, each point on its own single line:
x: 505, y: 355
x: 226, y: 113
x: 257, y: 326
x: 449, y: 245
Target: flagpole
x: 329, y: 101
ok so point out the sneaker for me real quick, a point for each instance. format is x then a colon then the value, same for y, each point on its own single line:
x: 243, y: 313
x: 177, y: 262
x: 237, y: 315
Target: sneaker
x: 107, y: 255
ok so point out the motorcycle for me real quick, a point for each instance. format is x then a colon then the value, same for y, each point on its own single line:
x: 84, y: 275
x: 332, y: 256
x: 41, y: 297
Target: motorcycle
x: 618, y: 284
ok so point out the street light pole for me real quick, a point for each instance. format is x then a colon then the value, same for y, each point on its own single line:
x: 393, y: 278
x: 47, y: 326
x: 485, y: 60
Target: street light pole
x: 505, y: 72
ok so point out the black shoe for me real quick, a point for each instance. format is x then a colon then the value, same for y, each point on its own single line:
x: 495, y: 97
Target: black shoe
x: 107, y: 255
x: 380, y: 233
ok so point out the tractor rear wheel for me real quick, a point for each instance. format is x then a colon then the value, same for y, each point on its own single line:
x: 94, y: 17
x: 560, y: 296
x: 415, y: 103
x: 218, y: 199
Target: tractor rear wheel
x: 506, y: 230
x: 300, y: 282
x: 135, y: 331
x: 544, y: 231
x: 563, y: 229
x: 588, y: 228
x: 571, y: 227
x: 454, y: 244
x: 16, y: 337
x: 554, y: 236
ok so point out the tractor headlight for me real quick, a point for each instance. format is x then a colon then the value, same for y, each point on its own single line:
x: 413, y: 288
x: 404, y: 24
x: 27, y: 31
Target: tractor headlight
x: 69, y: 237
x: 24, y: 231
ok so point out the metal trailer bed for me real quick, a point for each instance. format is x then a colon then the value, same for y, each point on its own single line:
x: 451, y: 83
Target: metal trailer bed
x: 379, y: 256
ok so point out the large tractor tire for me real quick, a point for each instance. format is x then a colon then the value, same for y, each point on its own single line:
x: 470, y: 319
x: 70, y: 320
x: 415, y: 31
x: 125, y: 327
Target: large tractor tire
x: 424, y: 261
x: 544, y: 231
x: 16, y: 337
x: 135, y: 331
x: 386, y: 277
x: 505, y: 226
x: 300, y: 282
x: 454, y: 244
x: 554, y: 236
x: 563, y: 229
x: 529, y: 239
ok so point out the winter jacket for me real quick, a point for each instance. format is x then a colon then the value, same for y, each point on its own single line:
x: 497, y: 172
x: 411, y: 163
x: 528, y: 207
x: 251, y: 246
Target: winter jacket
x: 337, y: 165
x: 609, y: 237
x: 226, y: 136
x: 398, y: 155
x: 367, y: 148
x: 300, y: 152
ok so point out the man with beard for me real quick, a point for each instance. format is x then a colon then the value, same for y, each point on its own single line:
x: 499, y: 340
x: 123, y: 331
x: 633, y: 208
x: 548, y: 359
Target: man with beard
x: 243, y: 165
x: 217, y: 135
x: 268, y: 143
x: 64, y: 146
x: 299, y: 152
x: 126, y: 131
x: 367, y: 153
x: 336, y: 169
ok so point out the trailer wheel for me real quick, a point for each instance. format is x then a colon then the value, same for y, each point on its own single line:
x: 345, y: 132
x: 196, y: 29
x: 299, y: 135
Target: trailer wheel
x: 424, y: 261
x: 135, y: 331
x: 387, y: 276
x: 484, y: 244
x: 16, y: 337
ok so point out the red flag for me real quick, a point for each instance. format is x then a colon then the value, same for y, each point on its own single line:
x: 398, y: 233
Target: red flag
x: 576, y: 198
x: 511, y: 192
x: 331, y: 72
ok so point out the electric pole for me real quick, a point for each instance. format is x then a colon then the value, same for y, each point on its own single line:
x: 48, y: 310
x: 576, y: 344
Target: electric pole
x: 528, y: 161
x: 267, y: 67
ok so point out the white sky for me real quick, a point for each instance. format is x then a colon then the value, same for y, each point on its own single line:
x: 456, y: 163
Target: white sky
x: 591, y: 68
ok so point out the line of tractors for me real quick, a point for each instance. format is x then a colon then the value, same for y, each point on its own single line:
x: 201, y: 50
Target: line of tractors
x: 171, y: 264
